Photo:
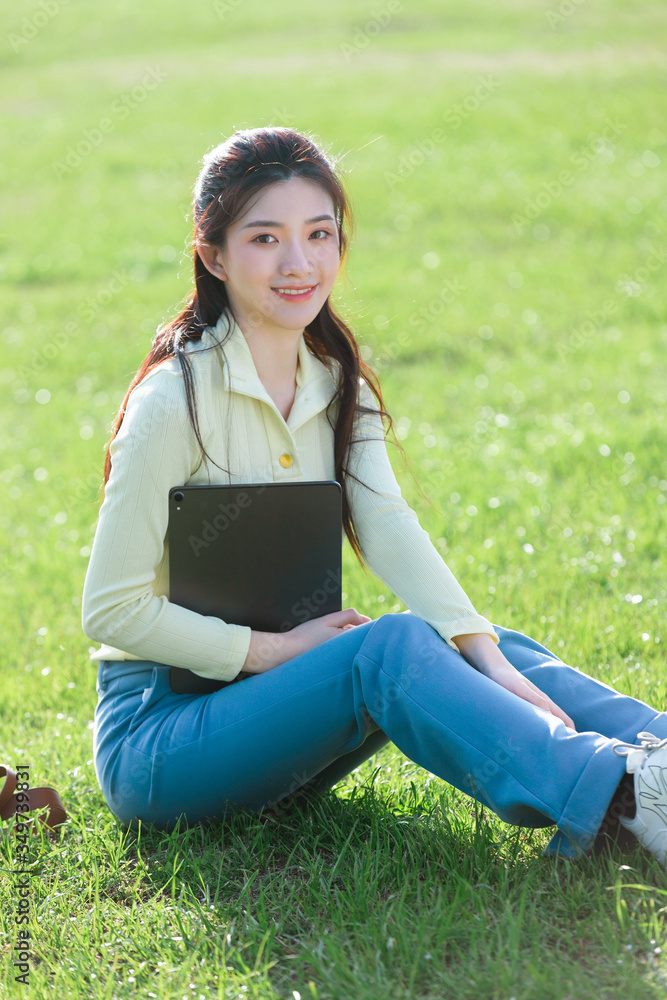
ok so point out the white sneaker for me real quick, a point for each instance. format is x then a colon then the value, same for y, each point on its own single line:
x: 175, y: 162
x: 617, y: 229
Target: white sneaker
x: 648, y: 763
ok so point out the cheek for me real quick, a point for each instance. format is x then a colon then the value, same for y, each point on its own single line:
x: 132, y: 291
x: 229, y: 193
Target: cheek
x: 328, y: 258
x: 253, y: 265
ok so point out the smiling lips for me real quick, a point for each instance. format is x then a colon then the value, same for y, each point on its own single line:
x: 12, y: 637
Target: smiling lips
x: 295, y: 294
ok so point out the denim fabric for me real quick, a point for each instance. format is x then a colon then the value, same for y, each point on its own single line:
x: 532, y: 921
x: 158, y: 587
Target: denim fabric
x: 309, y: 722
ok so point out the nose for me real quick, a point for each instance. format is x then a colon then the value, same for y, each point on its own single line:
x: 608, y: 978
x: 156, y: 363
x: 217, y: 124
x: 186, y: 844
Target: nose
x: 297, y: 259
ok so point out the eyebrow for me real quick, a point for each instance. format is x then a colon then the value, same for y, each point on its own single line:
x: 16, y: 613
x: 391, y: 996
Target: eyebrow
x: 279, y: 225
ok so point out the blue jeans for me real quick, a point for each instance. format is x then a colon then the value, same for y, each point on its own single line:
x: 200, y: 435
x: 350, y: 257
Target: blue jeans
x: 310, y: 721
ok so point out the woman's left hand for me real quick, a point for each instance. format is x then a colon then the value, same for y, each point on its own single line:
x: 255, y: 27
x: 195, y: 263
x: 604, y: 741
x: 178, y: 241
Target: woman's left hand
x: 510, y: 678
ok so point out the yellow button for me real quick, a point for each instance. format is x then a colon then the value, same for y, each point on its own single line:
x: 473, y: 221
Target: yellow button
x: 285, y: 461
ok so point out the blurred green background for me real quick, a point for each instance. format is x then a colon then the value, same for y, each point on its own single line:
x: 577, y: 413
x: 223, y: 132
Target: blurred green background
x: 506, y: 165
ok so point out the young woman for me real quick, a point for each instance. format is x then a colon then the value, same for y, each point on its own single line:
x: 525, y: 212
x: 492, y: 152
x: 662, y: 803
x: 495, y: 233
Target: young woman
x: 259, y: 380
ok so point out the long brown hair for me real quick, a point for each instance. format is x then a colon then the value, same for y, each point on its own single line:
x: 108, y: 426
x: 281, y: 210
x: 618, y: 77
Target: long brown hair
x: 233, y: 173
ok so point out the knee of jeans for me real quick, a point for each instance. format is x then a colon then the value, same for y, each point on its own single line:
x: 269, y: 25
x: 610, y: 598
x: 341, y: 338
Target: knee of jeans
x: 395, y: 627
x: 404, y: 623
x: 411, y: 645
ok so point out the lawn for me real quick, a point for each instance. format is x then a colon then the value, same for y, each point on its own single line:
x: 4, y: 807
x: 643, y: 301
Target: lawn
x: 506, y: 165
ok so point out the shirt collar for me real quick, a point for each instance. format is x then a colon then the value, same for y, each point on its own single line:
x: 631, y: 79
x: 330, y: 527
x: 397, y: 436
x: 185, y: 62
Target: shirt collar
x: 315, y: 383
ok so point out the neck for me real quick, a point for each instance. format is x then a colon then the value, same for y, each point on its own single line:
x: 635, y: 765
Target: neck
x: 275, y: 356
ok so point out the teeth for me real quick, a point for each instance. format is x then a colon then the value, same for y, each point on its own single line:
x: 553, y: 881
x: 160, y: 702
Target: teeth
x: 294, y: 291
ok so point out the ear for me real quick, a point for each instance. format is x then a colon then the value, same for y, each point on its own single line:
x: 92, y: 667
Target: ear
x: 211, y: 258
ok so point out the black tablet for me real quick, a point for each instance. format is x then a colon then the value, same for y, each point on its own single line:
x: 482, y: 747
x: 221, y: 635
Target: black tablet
x: 266, y: 555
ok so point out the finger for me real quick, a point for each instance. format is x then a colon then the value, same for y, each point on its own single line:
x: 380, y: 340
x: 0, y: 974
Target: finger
x: 551, y: 706
x: 359, y: 619
x: 554, y: 709
x: 560, y: 714
x: 336, y: 619
x: 349, y: 616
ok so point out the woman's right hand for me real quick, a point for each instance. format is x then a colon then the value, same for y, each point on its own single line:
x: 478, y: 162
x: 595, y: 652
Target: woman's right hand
x: 269, y: 649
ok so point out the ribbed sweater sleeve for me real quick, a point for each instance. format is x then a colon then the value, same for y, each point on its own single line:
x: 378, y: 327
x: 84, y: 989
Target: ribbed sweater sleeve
x: 395, y: 546
x: 154, y: 450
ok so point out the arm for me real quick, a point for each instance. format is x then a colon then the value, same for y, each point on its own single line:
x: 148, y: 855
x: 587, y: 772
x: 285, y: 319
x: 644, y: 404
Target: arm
x: 154, y: 450
x: 270, y: 649
x: 484, y: 655
x: 400, y: 552
x: 395, y: 546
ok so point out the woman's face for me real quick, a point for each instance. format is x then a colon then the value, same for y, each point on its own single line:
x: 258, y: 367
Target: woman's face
x: 282, y: 257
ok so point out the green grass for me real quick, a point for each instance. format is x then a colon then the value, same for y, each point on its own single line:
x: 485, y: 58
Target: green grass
x: 523, y: 362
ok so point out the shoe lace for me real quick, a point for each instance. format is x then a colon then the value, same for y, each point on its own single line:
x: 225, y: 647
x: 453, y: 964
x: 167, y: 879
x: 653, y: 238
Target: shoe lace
x: 649, y: 743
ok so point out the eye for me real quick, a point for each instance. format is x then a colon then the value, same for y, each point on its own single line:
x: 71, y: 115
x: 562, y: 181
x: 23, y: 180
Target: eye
x: 262, y: 237
x: 324, y: 232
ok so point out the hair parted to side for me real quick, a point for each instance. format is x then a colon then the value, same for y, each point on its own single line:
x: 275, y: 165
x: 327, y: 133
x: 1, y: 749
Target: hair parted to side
x: 233, y: 173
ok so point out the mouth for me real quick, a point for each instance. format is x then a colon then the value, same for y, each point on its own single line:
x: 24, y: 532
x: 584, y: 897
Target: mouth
x: 291, y: 293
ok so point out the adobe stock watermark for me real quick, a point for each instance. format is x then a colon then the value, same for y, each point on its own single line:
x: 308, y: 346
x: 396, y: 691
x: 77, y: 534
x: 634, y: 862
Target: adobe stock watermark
x: 453, y: 118
x: 565, y: 9
x: 630, y: 284
x: 21, y: 952
x: 448, y: 469
x: 365, y: 33
x: 79, y: 490
x: 420, y: 320
x: 31, y: 26
x: 426, y: 661
x: 226, y: 515
x: 283, y: 117
x: 308, y: 606
x: 582, y: 159
x: 625, y: 284
x: 300, y: 788
x: 40, y: 357
x: 119, y: 110
x: 482, y: 776
x: 584, y: 332
x: 225, y: 7
x: 303, y: 609
x: 587, y: 495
